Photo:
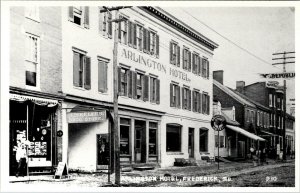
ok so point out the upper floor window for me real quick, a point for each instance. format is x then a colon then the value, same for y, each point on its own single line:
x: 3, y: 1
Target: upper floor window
x: 79, y: 15
x: 270, y: 100
x: 81, y: 70
x: 205, y: 68
x: 258, y: 118
x: 123, y: 27
x: 248, y: 115
x: 102, y: 75
x: 278, y: 102
x: 123, y: 81
x: 252, y: 117
x: 196, y: 64
x: 105, y: 26
x: 205, y: 103
x: 186, y: 98
x: 139, y: 85
x: 197, y: 101
x: 186, y: 62
x: 32, y: 60
x: 154, y: 90
x: 174, y: 95
x: 32, y: 12
x: 174, y: 53
x: 139, y: 37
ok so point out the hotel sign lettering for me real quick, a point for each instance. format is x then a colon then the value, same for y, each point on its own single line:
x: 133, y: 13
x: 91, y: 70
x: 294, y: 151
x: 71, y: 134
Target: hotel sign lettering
x: 150, y: 63
x: 86, y: 117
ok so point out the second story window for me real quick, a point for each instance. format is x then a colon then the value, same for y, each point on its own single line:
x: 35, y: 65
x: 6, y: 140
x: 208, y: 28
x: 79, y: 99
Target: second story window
x: 205, y: 103
x: 79, y: 15
x: 205, y: 68
x: 248, y: 115
x: 186, y: 62
x: 81, y: 70
x: 196, y: 63
x: 123, y: 78
x: 174, y: 54
x: 154, y: 90
x: 197, y: 101
x: 102, y: 75
x: 139, y: 85
x: 252, y: 117
x: 105, y: 27
x: 186, y: 98
x: 32, y: 60
x: 174, y: 95
x: 139, y: 37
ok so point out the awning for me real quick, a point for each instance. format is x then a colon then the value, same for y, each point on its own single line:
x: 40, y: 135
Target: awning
x: 268, y: 133
x: 36, y: 100
x: 244, y: 132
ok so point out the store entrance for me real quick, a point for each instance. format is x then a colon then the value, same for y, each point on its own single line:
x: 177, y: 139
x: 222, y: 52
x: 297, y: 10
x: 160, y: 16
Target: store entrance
x: 140, y: 141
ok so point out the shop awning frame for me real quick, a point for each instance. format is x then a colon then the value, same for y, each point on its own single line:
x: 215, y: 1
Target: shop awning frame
x: 268, y: 133
x: 36, y: 100
x: 245, y: 133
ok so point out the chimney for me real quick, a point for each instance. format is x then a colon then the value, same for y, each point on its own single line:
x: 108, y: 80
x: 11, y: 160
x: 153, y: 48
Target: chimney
x: 240, y: 86
x: 218, y: 76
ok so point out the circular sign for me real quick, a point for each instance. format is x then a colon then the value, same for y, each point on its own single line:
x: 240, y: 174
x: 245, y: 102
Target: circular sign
x: 60, y: 133
x: 218, y: 122
x: 44, y: 131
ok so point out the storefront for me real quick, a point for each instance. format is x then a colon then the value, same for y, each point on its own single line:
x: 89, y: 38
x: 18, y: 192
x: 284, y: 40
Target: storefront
x: 32, y: 120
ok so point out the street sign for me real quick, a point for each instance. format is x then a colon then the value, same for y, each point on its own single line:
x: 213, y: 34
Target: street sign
x: 218, y: 122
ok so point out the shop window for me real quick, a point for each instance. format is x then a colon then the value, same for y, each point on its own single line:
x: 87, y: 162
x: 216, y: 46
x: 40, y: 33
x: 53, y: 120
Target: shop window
x: 124, y: 136
x: 32, y: 60
x: 205, y: 103
x: 32, y: 12
x: 174, y: 54
x: 196, y: 63
x: 186, y: 64
x: 81, y: 70
x: 105, y: 27
x: 173, y: 138
x: 174, y: 95
x: 139, y: 37
x: 205, y: 68
x: 154, y: 90
x: 102, y: 75
x: 79, y: 15
x: 152, y: 138
x: 203, y: 140
x: 186, y: 98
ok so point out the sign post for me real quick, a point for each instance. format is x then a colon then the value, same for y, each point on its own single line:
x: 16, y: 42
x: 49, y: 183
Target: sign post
x: 218, y: 123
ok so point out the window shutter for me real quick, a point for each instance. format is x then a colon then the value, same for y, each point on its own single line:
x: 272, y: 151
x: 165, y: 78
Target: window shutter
x: 203, y: 102
x: 148, y: 42
x: 208, y: 104
x: 183, y: 58
x: 134, y: 35
x: 86, y: 17
x: 178, y: 97
x: 199, y: 65
x: 87, y: 73
x: 157, y: 45
x: 183, y: 104
x: 134, y: 85
x: 129, y: 33
x: 171, y: 52
x: 109, y: 25
x: 71, y: 14
x: 194, y: 63
x: 189, y: 61
x: 199, y: 102
x: 157, y: 82
x: 178, y: 55
x: 203, y: 67
x: 194, y: 101
x: 189, y: 99
x: 101, y: 75
x: 119, y: 80
x: 171, y: 96
x: 207, y: 69
x: 130, y: 84
x: 145, y: 39
x: 146, y: 88
x: 76, y: 68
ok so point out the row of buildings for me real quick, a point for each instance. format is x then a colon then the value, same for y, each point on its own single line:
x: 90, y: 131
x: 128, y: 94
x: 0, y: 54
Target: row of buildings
x: 61, y: 90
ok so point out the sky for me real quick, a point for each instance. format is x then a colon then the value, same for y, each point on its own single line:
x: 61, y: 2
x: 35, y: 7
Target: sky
x: 260, y: 30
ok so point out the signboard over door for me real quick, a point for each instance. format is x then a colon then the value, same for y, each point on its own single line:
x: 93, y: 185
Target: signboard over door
x: 86, y: 117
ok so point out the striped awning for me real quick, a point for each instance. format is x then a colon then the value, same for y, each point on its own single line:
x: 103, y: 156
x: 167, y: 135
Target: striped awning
x: 245, y: 133
x: 36, y: 100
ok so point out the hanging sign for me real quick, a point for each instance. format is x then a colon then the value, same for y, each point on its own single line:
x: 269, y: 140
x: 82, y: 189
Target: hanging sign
x: 218, y: 122
x: 86, y: 117
x: 279, y: 75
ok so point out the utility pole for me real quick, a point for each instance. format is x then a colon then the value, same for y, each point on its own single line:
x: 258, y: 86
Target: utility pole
x: 116, y: 133
x: 284, y: 59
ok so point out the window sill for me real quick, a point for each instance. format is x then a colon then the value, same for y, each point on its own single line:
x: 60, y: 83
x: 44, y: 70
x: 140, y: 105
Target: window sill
x: 175, y: 153
x: 34, y: 19
x: 103, y: 93
x: 36, y: 88
x: 79, y: 88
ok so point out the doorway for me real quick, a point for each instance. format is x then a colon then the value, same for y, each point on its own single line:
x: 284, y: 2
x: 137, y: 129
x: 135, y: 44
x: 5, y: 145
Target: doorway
x: 191, y: 143
x: 241, y: 148
x: 140, y: 141
x: 102, y: 151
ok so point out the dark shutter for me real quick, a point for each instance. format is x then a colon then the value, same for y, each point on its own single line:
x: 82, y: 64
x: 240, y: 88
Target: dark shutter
x: 203, y: 104
x: 189, y: 99
x: 109, y: 25
x: 87, y: 73
x: 207, y: 69
x: 134, y: 87
x: 189, y: 61
x: 208, y: 104
x: 101, y: 75
x: 157, y: 82
x: 145, y: 33
x: 129, y: 33
x: 86, y: 17
x: 178, y: 55
x: 183, y: 104
x: 199, y: 65
x: 134, y: 35
x: 194, y: 101
x: 119, y: 81
x: 71, y: 14
x: 172, y: 103
x: 148, y: 42
x: 178, y: 97
x: 157, y: 45
x: 194, y: 63
x: 76, y: 68
x: 146, y: 88
x: 130, y: 84
x: 199, y: 102
x: 171, y: 53
x: 203, y: 66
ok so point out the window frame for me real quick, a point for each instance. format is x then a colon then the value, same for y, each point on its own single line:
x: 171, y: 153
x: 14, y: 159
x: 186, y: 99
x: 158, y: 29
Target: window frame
x: 83, y: 57
x: 179, y: 127
x: 206, y: 138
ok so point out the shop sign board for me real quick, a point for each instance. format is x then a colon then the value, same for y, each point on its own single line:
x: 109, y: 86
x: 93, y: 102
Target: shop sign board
x: 86, y: 117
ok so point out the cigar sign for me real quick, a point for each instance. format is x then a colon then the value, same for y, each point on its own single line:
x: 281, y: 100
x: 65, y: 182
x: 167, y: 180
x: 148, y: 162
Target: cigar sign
x: 278, y: 75
x: 218, y: 122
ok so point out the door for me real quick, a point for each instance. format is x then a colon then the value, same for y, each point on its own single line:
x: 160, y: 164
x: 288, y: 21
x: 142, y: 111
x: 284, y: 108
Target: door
x: 102, y: 151
x: 241, y: 149
x: 191, y: 143
x: 140, y: 141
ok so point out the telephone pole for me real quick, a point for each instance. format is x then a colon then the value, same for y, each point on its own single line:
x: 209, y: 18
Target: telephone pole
x: 116, y: 133
x: 283, y: 57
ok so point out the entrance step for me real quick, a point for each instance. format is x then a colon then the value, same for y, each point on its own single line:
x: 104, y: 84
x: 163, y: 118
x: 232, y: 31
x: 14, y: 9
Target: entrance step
x: 222, y: 159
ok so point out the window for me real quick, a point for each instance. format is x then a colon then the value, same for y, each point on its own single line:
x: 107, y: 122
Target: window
x: 261, y: 119
x: 248, y: 115
x: 139, y: 37
x: 173, y: 137
x: 102, y: 75
x: 32, y: 12
x: 154, y: 90
x: 139, y: 86
x: 203, y: 140
x: 274, y: 102
x: 222, y: 141
x: 123, y: 27
x: 278, y: 103
x: 205, y: 68
x: 196, y: 63
x: 153, y: 43
x: 270, y: 100
x: 205, y: 103
x: 258, y: 118
x: 123, y: 84
x: 186, y: 64
x: 105, y: 27
x: 32, y: 60
x: 174, y: 95
x: 152, y: 138
x: 124, y: 136
x: 252, y: 117
x: 174, y: 54
x: 81, y: 70
x: 79, y: 15
x: 186, y: 98
x: 197, y: 101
